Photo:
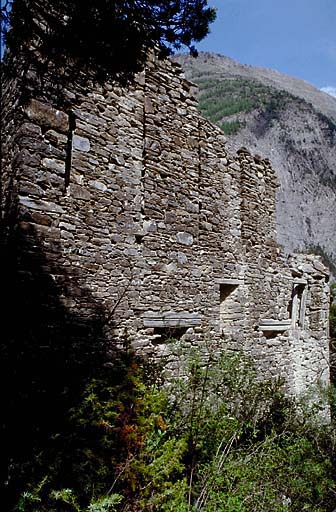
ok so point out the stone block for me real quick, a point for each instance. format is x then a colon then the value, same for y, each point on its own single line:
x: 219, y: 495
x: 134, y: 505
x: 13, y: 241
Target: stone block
x: 184, y: 238
x: 46, y: 115
x: 81, y: 143
x: 79, y: 192
x: 41, y: 205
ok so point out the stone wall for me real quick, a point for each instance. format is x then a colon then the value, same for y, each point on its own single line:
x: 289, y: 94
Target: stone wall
x: 129, y: 203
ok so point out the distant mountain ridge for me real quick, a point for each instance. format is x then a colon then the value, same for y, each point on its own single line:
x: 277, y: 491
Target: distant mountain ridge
x: 290, y: 122
x: 220, y: 65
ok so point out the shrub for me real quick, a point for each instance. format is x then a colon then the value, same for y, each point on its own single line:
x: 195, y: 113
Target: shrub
x: 214, y: 438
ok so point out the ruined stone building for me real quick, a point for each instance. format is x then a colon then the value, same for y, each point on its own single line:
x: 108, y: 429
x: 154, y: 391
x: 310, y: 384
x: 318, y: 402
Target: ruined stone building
x: 125, y: 208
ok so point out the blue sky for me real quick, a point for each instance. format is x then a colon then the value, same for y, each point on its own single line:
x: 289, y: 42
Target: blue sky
x: 295, y: 37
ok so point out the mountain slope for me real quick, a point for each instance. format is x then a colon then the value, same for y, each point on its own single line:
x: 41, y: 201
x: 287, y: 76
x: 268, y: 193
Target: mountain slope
x: 291, y: 123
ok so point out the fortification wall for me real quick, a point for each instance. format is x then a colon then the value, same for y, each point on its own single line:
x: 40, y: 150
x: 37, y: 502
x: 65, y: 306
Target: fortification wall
x: 129, y: 204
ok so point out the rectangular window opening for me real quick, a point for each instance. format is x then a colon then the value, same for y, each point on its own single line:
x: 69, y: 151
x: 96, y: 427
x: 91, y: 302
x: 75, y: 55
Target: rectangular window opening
x: 298, y: 305
x: 164, y: 334
x: 230, y: 308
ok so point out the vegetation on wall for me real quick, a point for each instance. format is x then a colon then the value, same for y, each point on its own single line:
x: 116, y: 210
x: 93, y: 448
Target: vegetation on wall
x: 212, y: 439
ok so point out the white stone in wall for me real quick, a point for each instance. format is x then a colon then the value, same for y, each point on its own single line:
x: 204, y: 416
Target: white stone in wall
x: 80, y: 143
x: 184, y: 238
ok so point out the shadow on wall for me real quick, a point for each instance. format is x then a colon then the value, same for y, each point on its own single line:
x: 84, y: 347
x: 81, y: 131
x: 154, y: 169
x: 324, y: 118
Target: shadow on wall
x: 48, y: 354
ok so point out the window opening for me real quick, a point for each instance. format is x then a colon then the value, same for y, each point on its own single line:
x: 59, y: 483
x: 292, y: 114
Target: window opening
x: 165, y: 334
x: 298, y: 305
x: 68, y: 158
x: 230, y: 309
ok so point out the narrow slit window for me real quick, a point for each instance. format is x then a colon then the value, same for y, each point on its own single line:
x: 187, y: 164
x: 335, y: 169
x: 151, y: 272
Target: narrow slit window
x: 68, y: 158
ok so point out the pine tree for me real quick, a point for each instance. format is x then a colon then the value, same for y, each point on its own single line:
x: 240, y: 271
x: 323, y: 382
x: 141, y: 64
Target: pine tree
x: 108, y: 34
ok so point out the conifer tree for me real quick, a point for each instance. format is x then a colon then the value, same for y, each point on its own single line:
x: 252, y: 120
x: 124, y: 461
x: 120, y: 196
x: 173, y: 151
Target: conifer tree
x: 110, y: 34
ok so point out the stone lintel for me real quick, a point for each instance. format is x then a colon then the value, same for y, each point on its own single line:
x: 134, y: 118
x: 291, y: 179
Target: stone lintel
x: 153, y: 319
x: 274, y: 325
x: 297, y: 280
x: 234, y: 282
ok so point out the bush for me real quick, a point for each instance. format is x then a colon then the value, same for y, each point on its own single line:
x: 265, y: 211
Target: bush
x: 213, y: 439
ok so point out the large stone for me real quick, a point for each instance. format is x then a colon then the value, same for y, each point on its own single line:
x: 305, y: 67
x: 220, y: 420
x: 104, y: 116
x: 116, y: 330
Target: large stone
x: 40, y: 205
x: 79, y: 192
x: 184, y: 238
x: 81, y: 143
x: 46, y: 115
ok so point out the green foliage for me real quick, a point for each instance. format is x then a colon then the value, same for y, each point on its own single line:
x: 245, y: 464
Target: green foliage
x: 276, y: 474
x: 213, y: 439
x: 101, y: 435
x: 66, y: 499
x: 106, y: 504
x: 230, y: 127
x: 105, y: 35
x: 217, y: 109
x: 31, y: 498
x: 222, y: 100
